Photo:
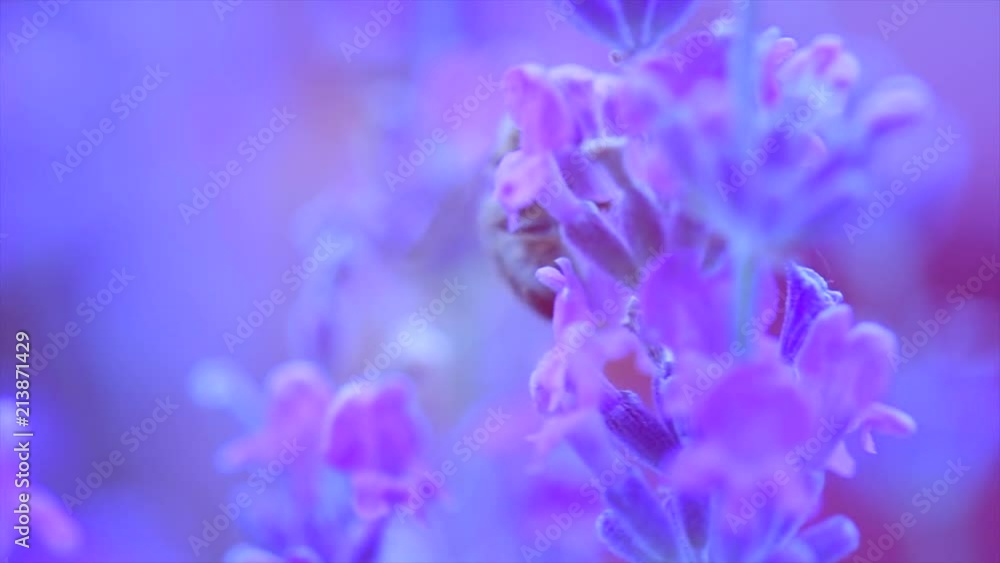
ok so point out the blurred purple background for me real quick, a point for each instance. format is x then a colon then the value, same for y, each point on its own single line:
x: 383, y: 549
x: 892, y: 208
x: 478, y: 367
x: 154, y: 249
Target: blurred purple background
x: 211, y: 76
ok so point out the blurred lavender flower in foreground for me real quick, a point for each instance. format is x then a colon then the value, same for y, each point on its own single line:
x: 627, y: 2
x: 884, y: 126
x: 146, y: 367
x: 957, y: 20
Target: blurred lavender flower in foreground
x: 315, y: 435
x: 376, y: 435
x: 673, y: 191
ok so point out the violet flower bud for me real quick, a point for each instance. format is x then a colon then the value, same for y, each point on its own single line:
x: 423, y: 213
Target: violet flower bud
x: 807, y: 296
x: 637, y: 428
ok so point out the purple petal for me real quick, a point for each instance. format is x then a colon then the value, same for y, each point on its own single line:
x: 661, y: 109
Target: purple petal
x: 548, y: 383
x: 832, y: 539
x: 577, y: 86
x: 299, y: 394
x: 882, y: 418
x: 375, y: 429
x: 757, y: 411
x: 893, y: 106
x: 846, y: 367
x: 593, y: 236
x: 521, y: 176
x: 538, y: 109
x: 570, y: 305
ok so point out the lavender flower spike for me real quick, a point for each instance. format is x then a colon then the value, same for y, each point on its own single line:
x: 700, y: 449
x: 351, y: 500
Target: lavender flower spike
x: 689, y: 158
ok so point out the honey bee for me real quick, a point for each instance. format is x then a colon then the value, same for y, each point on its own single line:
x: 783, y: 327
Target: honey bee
x: 535, y: 242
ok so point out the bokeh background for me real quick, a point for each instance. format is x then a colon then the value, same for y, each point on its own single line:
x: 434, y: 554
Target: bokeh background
x: 220, y: 70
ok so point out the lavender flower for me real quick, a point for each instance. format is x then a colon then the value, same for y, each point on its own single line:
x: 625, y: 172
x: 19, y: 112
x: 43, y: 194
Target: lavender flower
x: 370, y: 436
x: 673, y: 188
x: 765, y: 428
x: 376, y: 436
x: 297, y: 394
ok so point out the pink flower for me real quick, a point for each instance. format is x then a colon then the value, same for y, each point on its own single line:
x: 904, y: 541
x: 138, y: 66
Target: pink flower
x: 297, y: 395
x: 376, y: 435
x: 845, y: 368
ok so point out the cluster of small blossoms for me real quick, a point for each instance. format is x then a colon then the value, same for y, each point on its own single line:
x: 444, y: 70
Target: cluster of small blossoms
x: 309, y: 446
x: 668, y: 202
